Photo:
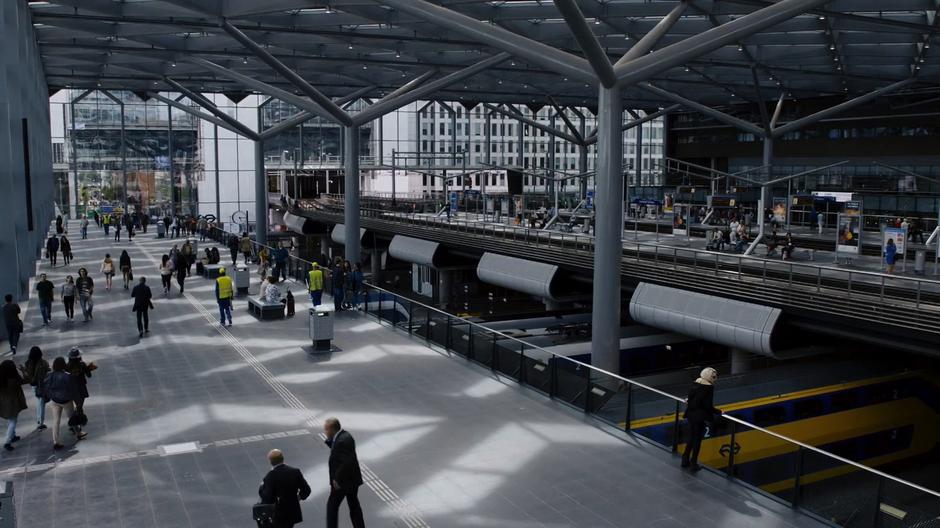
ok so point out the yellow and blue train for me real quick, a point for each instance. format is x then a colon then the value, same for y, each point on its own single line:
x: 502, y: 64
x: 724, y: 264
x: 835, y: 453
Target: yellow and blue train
x: 874, y: 422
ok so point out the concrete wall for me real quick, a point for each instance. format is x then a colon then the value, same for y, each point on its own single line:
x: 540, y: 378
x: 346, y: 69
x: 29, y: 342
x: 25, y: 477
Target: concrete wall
x: 23, y: 95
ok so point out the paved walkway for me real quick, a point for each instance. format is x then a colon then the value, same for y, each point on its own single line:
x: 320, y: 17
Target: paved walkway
x: 181, y: 420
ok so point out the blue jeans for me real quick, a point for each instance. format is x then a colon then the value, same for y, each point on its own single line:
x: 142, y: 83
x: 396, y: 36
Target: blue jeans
x: 338, y: 298
x: 40, y: 410
x: 86, y: 304
x: 316, y: 297
x: 45, y: 308
x: 84, y: 233
x: 11, y: 430
x: 225, y: 310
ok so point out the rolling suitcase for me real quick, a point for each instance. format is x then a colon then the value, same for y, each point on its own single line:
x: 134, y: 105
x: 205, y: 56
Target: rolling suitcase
x: 290, y: 304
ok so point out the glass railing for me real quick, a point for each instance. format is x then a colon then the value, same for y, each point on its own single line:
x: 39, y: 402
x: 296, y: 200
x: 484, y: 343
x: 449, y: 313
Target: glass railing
x: 820, y: 483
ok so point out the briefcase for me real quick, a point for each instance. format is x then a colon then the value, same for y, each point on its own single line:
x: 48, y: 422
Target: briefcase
x: 263, y: 514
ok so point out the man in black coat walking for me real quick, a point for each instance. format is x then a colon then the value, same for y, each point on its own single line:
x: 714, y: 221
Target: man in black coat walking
x: 699, y: 410
x: 345, y: 475
x: 284, y: 486
x: 142, y: 306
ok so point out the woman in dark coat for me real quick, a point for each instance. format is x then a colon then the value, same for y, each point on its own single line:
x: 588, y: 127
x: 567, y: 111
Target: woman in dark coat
x: 79, y: 372
x: 34, y: 372
x: 12, y: 400
x: 699, y: 410
x: 66, y: 248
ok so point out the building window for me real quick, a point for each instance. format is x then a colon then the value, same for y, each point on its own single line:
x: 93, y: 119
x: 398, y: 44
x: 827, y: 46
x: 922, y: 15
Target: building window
x: 442, y: 128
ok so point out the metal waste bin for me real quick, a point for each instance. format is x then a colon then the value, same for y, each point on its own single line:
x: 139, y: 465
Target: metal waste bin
x: 920, y: 261
x: 242, y: 279
x: 321, y: 327
x: 161, y: 229
x: 7, y: 515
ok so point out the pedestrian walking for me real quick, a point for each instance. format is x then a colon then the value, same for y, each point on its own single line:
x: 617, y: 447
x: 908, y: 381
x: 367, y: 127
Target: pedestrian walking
x: 224, y: 293
x: 891, y: 252
x: 12, y: 400
x: 125, y: 262
x: 80, y: 372
x: 166, y: 272
x: 282, y: 490
x: 117, y: 230
x: 144, y: 222
x: 46, y: 293
x: 129, y: 224
x: 699, y: 410
x: 345, y: 475
x: 12, y: 321
x: 86, y: 288
x: 180, y: 266
x: 107, y: 267
x: 59, y: 228
x: 59, y: 391
x: 315, y: 284
x: 186, y: 252
x: 356, y: 285
x: 244, y: 245
x: 106, y: 222
x: 52, y: 249
x: 84, y: 228
x: 34, y: 372
x: 233, y: 248
x: 68, y: 298
x: 264, y: 260
x: 96, y: 216
x: 142, y: 306
x: 337, y: 282
x: 66, y: 248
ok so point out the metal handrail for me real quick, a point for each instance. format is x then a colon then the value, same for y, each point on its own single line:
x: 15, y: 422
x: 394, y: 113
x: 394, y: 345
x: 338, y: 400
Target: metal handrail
x: 630, y: 382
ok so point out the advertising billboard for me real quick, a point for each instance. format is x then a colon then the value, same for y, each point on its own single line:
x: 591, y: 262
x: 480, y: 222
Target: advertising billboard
x: 848, y: 238
x: 680, y: 220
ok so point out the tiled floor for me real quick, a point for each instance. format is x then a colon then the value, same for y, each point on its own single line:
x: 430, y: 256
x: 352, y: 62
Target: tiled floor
x: 444, y: 443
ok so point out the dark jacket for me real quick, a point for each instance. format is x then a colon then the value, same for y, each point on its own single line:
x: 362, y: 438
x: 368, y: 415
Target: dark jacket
x: 11, y: 315
x: 34, y: 373
x: 65, y: 246
x: 79, y: 373
x: 52, y: 245
x: 700, y: 406
x: 142, y: 295
x: 125, y: 261
x: 344, y: 464
x: 58, y: 387
x: 84, y: 285
x: 285, y: 486
x: 12, y: 400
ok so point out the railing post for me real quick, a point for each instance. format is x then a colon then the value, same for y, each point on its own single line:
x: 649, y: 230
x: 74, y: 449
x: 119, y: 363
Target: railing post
x: 734, y: 430
x: 447, y: 336
x: 553, y: 378
x: 469, y: 341
x: 882, y: 289
x: 411, y: 306
x: 818, y: 279
x: 427, y: 326
x: 587, y: 391
x: 521, y: 377
x: 716, y: 264
x: 876, y: 522
x: 675, y: 429
x: 494, y: 361
x: 629, y: 413
x: 918, y: 295
x: 796, y: 479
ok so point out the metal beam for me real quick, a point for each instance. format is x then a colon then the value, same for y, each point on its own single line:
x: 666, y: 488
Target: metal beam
x: 839, y: 108
x: 303, y: 116
x: 777, y: 110
x: 564, y: 117
x: 212, y: 119
x: 533, y: 51
x: 720, y: 116
x: 267, y: 89
x: 351, y: 193
x: 336, y: 113
x: 645, y: 44
x: 592, y: 49
x: 209, y: 106
x: 645, y: 67
x: 533, y: 123
x: 385, y: 106
x: 762, y: 106
x: 410, y: 85
x: 637, y: 122
x: 261, y: 195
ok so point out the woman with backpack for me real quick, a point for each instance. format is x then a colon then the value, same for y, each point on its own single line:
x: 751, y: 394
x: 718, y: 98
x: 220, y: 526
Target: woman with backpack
x: 59, y: 390
x: 12, y: 401
x: 80, y: 372
x: 34, y: 372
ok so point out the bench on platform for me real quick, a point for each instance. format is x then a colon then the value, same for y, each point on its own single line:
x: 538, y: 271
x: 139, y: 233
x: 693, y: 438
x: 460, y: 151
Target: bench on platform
x: 264, y: 310
x: 211, y: 271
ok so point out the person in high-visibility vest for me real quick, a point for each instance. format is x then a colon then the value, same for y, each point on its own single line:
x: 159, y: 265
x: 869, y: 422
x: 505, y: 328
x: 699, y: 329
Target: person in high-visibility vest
x: 315, y: 284
x: 224, y: 293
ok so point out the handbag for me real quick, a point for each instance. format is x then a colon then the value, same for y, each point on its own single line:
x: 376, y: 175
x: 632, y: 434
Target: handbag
x: 130, y: 275
x: 78, y: 419
x: 263, y: 514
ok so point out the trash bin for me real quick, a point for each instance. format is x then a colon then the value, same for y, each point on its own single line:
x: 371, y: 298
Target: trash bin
x: 7, y: 515
x: 242, y: 279
x: 920, y: 261
x: 161, y: 229
x: 321, y: 327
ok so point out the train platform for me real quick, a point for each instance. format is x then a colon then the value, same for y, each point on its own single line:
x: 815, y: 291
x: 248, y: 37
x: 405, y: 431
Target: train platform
x: 181, y: 419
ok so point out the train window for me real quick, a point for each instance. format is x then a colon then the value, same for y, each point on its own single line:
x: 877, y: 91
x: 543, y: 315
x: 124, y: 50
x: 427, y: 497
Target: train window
x: 808, y: 408
x: 843, y: 401
x: 770, y: 415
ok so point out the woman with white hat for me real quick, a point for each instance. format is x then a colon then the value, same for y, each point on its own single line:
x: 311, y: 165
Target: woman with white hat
x: 699, y: 409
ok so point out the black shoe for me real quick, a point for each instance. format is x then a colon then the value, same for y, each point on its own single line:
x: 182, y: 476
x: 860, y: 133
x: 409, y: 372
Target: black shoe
x: 41, y: 427
x: 694, y: 467
x: 685, y: 464
x: 8, y: 447
x: 15, y: 438
x: 141, y: 334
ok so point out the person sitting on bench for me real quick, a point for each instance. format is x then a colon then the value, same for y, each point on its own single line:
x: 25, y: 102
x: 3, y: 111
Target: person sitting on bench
x: 270, y: 292
x: 788, y: 247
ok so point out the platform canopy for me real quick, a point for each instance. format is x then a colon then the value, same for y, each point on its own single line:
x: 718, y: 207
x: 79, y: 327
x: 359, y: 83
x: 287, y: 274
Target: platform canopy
x: 711, y: 52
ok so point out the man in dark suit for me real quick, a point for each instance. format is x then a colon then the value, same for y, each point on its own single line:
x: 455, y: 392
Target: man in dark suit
x: 345, y: 475
x: 142, y: 305
x: 284, y: 486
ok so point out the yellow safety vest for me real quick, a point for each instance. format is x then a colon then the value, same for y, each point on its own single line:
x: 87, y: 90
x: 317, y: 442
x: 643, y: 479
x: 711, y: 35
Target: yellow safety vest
x: 316, y: 280
x: 226, y: 290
